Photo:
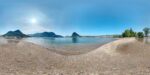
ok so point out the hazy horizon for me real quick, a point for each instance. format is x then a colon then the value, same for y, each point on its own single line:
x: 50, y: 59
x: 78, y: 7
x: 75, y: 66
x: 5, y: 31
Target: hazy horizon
x: 61, y: 34
x: 92, y: 17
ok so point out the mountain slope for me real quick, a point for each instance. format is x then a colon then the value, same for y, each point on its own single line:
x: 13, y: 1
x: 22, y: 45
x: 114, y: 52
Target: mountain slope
x: 16, y: 33
x: 45, y: 34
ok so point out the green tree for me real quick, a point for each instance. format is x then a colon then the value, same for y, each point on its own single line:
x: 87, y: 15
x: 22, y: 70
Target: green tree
x: 128, y: 33
x: 132, y: 33
x: 146, y: 31
x: 140, y: 34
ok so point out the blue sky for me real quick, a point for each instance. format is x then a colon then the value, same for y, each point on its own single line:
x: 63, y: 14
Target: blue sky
x: 87, y: 17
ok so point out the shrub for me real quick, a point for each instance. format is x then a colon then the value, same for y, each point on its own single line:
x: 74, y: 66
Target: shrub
x: 128, y: 33
x: 146, y: 31
x: 140, y: 34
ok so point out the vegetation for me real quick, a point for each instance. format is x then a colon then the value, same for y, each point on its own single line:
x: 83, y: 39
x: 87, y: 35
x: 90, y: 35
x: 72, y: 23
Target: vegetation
x: 128, y: 33
x: 140, y: 34
x: 131, y: 33
x: 146, y: 31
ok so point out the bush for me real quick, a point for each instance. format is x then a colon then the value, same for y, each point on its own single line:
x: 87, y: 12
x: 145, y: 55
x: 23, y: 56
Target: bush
x: 140, y: 34
x: 128, y: 33
x: 146, y: 31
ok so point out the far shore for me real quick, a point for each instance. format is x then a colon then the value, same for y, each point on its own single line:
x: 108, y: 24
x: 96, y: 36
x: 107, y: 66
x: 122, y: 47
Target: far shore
x: 125, y: 56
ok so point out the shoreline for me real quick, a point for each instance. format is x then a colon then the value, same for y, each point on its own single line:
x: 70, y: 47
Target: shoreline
x: 71, y: 48
x: 120, y: 57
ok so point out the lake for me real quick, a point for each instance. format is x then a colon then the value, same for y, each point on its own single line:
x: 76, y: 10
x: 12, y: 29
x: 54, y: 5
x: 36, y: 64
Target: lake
x: 70, y: 46
x: 68, y: 41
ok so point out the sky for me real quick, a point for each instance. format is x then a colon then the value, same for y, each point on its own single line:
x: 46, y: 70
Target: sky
x: 86, y: 17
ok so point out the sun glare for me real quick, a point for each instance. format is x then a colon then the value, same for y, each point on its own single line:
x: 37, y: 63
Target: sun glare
x: 33, y: 21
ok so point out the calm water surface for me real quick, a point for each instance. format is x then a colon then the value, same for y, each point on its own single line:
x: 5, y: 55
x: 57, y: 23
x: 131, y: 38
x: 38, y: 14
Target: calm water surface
x: 68, y: 41
x: 70, y: 46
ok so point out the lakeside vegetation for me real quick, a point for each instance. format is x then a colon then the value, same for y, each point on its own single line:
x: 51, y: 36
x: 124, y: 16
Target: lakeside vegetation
x: 132, y: 33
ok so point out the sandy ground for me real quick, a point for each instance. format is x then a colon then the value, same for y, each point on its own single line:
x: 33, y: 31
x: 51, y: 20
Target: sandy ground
x: 121, y: 57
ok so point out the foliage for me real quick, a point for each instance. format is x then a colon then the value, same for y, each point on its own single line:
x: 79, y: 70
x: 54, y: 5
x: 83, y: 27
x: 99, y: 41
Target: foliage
x: 140, y: 34
x: 128, y: 33
x: 146, y: 31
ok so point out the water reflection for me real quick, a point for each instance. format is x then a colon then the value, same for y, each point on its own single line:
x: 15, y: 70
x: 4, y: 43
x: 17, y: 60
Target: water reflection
x: 145, y: 40
x: 67, y: 41
x: 74, y: 40
x: 52, y: 40
x: 140, y: 39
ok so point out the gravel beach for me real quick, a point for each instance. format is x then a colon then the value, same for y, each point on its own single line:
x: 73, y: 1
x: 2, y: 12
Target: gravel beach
x: 121, y: 57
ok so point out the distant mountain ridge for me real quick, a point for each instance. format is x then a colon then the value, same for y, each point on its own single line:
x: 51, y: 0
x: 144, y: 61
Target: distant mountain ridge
x: 45, y: 34
x: 16, y: 33
x: 19, y: 34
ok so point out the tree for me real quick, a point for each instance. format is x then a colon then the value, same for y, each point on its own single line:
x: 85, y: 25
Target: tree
x: 132, y: 33
x: 146, y: 31
x: 128, y: 33
x: 140, y: 34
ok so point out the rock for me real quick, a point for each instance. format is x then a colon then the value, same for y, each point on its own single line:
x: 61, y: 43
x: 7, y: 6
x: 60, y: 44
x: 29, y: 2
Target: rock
x: 75, y: 35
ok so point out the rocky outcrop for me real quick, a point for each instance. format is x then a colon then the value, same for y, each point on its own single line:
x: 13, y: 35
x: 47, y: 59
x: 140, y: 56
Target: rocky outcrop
x: 75, y: 35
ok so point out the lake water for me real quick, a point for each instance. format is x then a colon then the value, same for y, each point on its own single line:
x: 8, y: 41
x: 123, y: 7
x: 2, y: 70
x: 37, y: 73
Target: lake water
x: 68, y: 41
x: 70, y: 46
x: 145, y: 40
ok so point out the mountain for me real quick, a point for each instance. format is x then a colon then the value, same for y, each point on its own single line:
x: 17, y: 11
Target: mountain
x: 74, y: 35
x: 16, y: 33
x: 45, y: 34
